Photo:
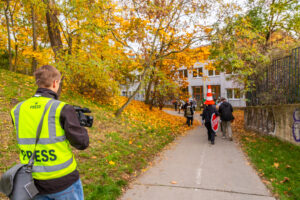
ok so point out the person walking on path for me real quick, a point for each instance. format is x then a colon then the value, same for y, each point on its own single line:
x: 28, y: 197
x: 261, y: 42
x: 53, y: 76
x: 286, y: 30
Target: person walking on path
x: 175, y: 105
x: 194, y: 104
x: 208, y: 111
x: 227, y: 117
x: 180, y: 106
x: 218, y: 106
x: 55, y: 171
x: 189, y: 113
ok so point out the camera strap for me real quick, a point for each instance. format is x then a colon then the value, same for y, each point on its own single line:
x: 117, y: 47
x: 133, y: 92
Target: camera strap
x: 38, y: 133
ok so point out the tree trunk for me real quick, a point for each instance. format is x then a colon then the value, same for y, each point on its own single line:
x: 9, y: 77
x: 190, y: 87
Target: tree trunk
x: 120, y: 110
x: 148, y: 91
x: 154, y: 97
x: 70, y: 43
x: 14, y: 67
x: 34, y: 39
x: 16, y: 56
x: 8, y: 36
x: 53, y: 29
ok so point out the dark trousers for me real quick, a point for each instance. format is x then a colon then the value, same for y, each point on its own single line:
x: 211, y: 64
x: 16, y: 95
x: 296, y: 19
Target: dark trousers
x: 210, y: 132
x: 189, y: 120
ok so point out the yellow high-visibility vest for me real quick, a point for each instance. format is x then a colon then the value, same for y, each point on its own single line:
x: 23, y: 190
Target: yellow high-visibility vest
x: 53, y: 155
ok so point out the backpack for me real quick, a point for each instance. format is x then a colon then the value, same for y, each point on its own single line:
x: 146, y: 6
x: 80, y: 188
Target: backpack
x: 188, y: 110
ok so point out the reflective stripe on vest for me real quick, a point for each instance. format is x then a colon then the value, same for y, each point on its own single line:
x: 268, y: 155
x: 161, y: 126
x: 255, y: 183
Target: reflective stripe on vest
x: 52, y: 168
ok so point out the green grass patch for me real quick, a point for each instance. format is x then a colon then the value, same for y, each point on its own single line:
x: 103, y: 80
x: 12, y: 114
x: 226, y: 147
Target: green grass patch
x: 276, y: 161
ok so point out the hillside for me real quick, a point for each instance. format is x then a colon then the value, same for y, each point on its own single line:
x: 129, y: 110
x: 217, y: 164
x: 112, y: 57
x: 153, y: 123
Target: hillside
x: 120, y: 148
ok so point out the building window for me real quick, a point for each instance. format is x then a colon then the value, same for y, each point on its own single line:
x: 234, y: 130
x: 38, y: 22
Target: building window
x: 198, y: 93
x: 237, y: 93
x: 198, y: 72
x: 229, y: 71
x: 213, y: 73
x: 195, y: 73
x: 183, y: 73
x: 229, y: 93
x: 233, y: 93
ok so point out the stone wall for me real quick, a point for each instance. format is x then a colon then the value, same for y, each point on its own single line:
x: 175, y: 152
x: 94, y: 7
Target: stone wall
x: 282, y: 121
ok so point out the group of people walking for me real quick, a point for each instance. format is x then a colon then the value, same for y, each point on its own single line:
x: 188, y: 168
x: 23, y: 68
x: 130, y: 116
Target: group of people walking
x: 223, y: 109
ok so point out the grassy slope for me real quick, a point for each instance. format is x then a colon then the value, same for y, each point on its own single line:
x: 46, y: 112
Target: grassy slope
x: 276, y: 161
x: 119, y: 147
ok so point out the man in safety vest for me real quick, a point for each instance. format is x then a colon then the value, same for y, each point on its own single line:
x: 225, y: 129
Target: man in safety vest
x: 54, y: 170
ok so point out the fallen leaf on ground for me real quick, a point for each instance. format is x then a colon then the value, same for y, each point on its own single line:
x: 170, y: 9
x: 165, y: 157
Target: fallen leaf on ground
x: 276, y: 165
x: 286, y: 179
x: 112, y: 163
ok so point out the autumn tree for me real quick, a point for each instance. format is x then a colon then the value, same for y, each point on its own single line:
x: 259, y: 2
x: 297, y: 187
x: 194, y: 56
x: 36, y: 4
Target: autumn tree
x: 159, y: 29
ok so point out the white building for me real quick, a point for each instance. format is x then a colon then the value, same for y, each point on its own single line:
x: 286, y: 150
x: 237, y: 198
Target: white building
x: 199, y: 78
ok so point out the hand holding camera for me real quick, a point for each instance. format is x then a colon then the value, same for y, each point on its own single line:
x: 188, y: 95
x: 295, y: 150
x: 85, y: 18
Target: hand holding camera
x: 85, y: 120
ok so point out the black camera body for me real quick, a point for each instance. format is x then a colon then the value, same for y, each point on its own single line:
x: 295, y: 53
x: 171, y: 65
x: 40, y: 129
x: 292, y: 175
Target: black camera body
x: 85, y: 120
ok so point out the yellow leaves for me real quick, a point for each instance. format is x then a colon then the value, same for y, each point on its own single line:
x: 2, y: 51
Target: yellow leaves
x: 208, y: 30
x: 276, y: 165
x: 111, y: 162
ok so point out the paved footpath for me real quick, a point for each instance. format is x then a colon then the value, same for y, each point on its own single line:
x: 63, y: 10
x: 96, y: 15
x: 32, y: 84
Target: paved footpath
x: 194, y: 169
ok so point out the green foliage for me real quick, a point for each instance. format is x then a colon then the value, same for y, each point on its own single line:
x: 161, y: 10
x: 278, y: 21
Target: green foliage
x: 244, y: 44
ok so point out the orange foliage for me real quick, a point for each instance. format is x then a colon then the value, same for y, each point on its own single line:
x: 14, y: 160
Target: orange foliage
x: 155, y: 118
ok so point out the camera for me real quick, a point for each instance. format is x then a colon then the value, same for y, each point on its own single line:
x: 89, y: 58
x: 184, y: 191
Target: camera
x: 85, y: 120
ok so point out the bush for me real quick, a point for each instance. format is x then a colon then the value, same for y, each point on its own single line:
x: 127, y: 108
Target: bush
x: 90, y: 78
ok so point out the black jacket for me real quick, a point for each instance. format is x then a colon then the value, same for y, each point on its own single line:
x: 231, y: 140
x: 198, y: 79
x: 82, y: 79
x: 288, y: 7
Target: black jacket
x: 225, y: 111
x: 207, y: 113
x: 78, y: 138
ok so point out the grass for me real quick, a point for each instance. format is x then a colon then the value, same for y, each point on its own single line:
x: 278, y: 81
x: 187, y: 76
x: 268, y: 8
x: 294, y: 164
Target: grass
x: 277, y: 162
x: 120, y: 148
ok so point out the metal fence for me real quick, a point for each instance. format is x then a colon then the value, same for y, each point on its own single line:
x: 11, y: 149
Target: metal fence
x: 279, y: 83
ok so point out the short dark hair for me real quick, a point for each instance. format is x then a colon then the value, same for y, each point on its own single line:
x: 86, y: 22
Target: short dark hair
x: 45, y: 75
